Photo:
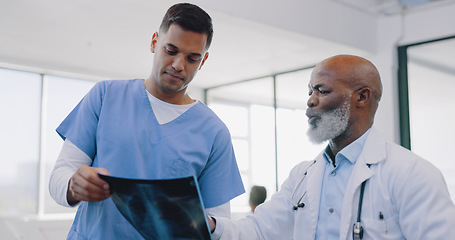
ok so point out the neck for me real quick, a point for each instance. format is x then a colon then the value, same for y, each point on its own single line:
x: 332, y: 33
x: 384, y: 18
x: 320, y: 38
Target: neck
x: 337, y: 144
x: 178, y: 98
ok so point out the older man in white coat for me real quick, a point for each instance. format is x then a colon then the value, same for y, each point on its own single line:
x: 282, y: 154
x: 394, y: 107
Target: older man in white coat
x: 360, y: 186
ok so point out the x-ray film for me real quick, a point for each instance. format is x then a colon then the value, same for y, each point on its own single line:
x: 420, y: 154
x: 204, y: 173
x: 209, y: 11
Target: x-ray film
x: 161, y: 209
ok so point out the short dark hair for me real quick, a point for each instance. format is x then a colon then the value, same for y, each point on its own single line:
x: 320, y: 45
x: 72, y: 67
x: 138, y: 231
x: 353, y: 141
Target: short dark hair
x: 190, y: 17
x: 258, y: 195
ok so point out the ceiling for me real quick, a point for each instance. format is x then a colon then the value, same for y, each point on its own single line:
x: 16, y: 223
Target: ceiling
x: 109, y: 39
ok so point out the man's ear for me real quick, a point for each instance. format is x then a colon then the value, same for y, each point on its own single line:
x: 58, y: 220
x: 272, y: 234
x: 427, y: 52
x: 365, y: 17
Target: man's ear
x: 154, y: 40
x: 364, y: 95
x: 203, y: 60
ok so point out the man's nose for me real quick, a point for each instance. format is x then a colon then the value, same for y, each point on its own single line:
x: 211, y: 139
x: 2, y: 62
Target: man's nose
x: 312, y: 101
x: 179, y: 63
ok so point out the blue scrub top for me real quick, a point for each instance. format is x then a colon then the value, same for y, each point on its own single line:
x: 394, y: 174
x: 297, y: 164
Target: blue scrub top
x: 114, y: 125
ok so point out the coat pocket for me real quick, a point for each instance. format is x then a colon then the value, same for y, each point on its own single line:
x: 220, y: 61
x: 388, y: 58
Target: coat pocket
x: 387, y: 228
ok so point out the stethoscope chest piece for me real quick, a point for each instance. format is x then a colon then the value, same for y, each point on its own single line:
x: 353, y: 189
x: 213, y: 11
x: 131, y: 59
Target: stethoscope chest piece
x: 296, y: 207
x: 299, y: 204
x: 357, y: 231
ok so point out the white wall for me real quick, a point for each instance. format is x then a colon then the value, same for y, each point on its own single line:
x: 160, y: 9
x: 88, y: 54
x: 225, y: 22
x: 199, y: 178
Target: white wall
x: 429, y: 23
x: 385, y: 59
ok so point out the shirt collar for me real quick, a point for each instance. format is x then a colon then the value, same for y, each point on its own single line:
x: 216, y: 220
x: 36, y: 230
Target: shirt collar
x: 351, y: 152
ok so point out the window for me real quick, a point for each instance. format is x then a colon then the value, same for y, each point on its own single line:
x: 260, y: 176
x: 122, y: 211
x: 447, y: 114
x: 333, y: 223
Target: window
x: 32, y: 106
x: 20, y: 103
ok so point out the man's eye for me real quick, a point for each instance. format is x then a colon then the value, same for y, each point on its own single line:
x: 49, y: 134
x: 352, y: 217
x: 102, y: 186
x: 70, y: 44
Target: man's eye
x: 170, y: 52
x: 323, y: 92
x: 193, y: 59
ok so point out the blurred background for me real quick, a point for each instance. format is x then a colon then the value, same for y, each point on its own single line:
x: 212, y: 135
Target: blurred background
x: 52, y: 52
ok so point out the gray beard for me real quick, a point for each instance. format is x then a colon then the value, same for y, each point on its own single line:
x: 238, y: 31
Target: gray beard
x: 330, y: 125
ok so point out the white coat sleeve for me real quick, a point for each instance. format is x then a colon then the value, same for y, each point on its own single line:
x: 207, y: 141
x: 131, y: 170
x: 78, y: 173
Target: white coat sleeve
x: 68, y: 161
x: 220, y: 211
x: 273, y: 219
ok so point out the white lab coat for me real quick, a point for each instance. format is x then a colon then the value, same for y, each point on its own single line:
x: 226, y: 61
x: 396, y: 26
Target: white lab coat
x: 410, y: 193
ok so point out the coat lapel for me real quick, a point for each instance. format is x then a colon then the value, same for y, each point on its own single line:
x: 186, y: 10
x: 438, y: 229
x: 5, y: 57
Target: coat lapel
x: 360, y: 173
x: 314, y: 186
x: 374, y: 151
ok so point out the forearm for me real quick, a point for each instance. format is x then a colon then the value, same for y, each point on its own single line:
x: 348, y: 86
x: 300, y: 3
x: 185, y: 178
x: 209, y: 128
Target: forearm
x: 274, y: 219
x: 268, y: 222
x: 69, y: 159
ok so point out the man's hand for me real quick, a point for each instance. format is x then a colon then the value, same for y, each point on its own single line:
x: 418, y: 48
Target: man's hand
x: 86, y: 185
x: 212, y: 223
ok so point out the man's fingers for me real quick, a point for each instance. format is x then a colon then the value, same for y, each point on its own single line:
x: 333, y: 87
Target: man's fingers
x: 86, y: 185
x: 103, y: 171
x: 85, y: 191
x: 91, y: 175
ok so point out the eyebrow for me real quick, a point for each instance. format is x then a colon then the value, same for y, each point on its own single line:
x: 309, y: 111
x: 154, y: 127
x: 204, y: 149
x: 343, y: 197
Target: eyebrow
x: 173, y: 46
x: 316, y: 86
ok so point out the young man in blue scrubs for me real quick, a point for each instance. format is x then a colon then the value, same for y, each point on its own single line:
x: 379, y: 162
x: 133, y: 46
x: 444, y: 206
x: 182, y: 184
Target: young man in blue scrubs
x: 146, y: 129
x: 360, y: 186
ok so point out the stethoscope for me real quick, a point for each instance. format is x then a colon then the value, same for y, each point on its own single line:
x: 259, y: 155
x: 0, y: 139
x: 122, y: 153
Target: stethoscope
x: 357, y: 229
x: 300, y: 204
